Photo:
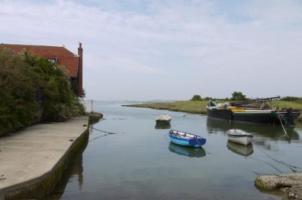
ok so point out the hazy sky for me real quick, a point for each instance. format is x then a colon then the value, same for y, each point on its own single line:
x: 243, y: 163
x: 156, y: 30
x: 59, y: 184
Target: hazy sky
x: 169, y: 49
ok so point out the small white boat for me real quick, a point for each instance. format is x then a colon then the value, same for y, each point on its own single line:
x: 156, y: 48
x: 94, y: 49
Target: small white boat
x: 163, y: 121
x: 164, y: 118
x: 239, y: 136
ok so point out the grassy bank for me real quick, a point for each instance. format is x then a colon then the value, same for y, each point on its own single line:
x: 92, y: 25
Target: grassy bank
x: 199, y: 107
x: 290, y: 104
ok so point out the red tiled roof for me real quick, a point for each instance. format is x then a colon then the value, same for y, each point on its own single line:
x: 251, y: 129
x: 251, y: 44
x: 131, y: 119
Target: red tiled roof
x: 64, y: 56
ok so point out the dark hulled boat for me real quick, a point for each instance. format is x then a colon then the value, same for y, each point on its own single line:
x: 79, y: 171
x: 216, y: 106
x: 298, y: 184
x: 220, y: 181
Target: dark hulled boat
x: 163, y: 121
x: 245, y: 113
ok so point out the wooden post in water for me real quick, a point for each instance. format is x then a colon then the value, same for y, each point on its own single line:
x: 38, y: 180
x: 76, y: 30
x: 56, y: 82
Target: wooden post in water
x: 91, y: 106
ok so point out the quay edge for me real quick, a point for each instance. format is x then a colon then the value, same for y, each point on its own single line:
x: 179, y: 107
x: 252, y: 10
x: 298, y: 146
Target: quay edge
x: 42, y: 186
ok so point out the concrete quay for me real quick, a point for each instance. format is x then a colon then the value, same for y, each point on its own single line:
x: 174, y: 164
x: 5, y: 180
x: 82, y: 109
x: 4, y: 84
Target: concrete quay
x: 32, y: 161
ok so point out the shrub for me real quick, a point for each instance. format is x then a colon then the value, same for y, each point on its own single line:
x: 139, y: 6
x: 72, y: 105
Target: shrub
x: 32, y: 90
x: 208, y: 98
x: 289, y: 98
x: 196, y: 98
x: 238, y: 96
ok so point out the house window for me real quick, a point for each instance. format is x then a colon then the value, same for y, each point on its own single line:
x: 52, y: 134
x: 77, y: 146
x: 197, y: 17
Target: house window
x: 53, y: 60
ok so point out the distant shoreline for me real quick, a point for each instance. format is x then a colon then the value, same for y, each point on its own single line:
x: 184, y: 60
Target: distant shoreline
x: 199, y: 107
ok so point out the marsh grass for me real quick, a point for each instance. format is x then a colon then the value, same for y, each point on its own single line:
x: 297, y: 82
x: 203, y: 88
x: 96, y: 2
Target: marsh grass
x: 179, y: 106
x: 288, y: 104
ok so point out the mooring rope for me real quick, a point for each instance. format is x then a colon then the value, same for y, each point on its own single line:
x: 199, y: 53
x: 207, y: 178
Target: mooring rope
x: 104, y: 131
x: 267, y: 163
x: 293, y: 168
x: 103, y: 134
x: 282, y: 125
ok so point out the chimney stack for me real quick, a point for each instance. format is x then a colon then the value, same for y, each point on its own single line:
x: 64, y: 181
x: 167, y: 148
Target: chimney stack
x: 80, y: 71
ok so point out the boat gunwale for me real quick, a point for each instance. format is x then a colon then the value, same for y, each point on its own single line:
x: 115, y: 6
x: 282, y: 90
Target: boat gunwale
x: 238, y: 133
x: 193, y: 136
x: 230, y: 135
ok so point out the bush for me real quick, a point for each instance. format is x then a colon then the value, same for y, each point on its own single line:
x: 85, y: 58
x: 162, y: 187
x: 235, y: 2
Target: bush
x: 208, y: 98
x: 32, y: 90
x: 289, y: 98
x: 238, y: 96
x: 196, y: 98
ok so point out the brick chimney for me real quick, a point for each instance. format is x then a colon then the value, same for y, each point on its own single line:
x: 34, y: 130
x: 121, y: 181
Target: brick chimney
x: 80, y: 71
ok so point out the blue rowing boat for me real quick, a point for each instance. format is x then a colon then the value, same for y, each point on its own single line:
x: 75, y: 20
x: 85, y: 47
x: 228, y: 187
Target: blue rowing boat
x: 186, y: 139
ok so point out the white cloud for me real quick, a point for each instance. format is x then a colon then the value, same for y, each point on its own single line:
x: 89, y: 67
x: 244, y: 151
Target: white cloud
x: 170, y: 49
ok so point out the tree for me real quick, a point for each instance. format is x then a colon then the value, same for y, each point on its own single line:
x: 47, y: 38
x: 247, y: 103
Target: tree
x: 196, y: 98
x: 238, y: 96
x: 207, y: 98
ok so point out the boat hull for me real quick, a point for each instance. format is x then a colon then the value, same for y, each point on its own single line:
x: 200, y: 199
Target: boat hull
x: 182, y: 142
x: 256, y: 116
x: 163, y: 124
x: 163, y: 121
x: 220, y: 113
x: 195, y: 142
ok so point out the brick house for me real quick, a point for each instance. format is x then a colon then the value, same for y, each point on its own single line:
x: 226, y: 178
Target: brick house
x: 72, y: 63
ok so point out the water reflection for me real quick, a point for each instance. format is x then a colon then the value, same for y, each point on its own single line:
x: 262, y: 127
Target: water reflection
x: 240, y: 149
x: 77, y: 171
x: 261, y: 130
x: 74, y: 171
x: 187, y: 151
x: 162, y: 126
x: 119, y: 167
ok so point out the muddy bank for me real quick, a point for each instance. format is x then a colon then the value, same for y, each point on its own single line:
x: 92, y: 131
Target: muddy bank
x: 290, y: 184
x: 94, y: 117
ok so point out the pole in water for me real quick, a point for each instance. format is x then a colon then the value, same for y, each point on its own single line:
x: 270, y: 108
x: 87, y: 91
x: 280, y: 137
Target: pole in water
x: 91, y: 106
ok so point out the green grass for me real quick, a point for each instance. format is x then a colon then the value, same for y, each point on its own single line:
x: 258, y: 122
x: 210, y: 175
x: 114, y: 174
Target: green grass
x: 288, y: 104
x: 179, y: 106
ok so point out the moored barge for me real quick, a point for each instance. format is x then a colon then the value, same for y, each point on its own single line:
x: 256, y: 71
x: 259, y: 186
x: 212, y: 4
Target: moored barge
x: 243, y: 112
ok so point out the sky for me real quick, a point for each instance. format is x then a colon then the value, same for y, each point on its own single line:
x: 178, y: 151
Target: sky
x: 169, y: 49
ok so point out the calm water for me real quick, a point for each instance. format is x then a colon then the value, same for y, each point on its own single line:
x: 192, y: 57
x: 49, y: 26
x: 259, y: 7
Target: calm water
x: 138, y: 161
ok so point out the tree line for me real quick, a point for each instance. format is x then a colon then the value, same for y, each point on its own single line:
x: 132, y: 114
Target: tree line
x: 239, y: 96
